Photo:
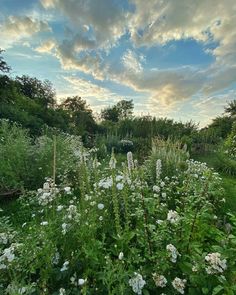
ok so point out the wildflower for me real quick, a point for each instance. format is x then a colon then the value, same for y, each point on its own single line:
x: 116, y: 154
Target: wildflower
x: 100, y: 206
x: 130, y: 161
x: 173, y: 252
x: 119, y: 178
x: 3, y: 238
x: 105, y: 182
x: 59, y: 208
x: 55, y: 259
x: 163, y: 195
x: 215, y: 263
x: 65, y: 266
x: 173, y: 216
x: 160, y: 280
x: 64, y: 228
x: 81, y: 282
x: 121, y: 255
x: 179, y: 285
x: 119, y: 186
x: 158, y: 169
x: 44, y: 223
x: 159, y: 221
x: 162, y: 184
x: 62, y: 291
x: 100, y: 218
x: 137, y: 283
x: 67, y: 189
x: 113, y: 161
x: 156, y: 189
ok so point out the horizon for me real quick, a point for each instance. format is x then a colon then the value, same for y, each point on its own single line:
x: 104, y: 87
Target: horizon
x: 174, y: 60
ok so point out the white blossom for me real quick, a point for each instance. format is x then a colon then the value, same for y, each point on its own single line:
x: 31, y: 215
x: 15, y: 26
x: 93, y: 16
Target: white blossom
x: 119, y: 186
x: 179, y: 285
x: 65, y: 266
x: 173, y: 252
x: 137, y: 283
x: 173, y: 216
x: 130, y: 161
x: 121, y: 255
x: 215, y: 263
x: 100, y: 206
x: 159, y: 280
x: 81, y: 282
x: 158, y: 169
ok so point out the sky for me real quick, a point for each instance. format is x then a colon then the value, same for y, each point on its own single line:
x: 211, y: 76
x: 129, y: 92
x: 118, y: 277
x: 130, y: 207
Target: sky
x: 174, y: 59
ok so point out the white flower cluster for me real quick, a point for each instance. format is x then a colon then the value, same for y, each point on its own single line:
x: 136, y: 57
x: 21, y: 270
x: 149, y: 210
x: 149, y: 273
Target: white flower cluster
x: 137, y: 283
x: 215, y: 263
x: 105, y: 183
x: 173, y: 252
x: 158, y: 169
x: 159, y: 280
x: 130, y: 161
x: 172, y: 216
x: 7, y: 256
x: 5, y: 238
x: 179, y: 285
x: 47, y: 194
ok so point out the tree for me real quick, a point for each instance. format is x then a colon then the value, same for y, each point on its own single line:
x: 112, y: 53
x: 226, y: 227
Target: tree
x: 40, y: 91
x: 230, y: 109
x: 3, y: 65
x: 121, y: 111
x: 80, y: 115
x: 125, y: 109
x: 110, y: 114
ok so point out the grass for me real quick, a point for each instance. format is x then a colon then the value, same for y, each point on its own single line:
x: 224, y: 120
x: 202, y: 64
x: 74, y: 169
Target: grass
x: 229, y: 182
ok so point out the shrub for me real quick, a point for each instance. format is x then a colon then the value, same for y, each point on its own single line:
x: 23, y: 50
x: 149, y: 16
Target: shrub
x: 118, y: 234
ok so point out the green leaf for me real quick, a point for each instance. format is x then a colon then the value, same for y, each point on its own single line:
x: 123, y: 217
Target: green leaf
x: 217, y: 289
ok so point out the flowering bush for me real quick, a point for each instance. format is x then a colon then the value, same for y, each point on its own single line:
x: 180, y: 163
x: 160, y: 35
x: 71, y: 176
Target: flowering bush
x: 121, y: 231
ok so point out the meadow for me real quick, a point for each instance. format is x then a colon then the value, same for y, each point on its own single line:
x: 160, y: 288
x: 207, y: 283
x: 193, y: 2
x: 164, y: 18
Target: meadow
x: 85, y: 224
x: 115, y: 204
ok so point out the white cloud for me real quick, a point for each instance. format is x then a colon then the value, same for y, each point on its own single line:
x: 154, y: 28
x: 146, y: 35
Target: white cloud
x: 97, y: 96
x: 132, y: 62
x: 46, y: 47
x: 15, y: 28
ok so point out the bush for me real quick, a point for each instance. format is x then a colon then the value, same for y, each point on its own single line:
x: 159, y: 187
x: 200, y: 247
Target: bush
x: 118, y: 234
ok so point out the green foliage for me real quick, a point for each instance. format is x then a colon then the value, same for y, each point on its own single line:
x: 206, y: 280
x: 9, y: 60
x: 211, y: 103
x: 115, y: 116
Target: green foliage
x: 15, y: 148
x: 111, y: 232
x: 25, y: 163
x: 172, y: 155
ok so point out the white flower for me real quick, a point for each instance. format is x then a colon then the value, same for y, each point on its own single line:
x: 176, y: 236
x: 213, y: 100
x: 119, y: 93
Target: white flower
x: 159, y: 221
x: 119, y: 186
x: 81, y: 282
x: 65, y: 266
x: 100, y: 206
x: 137, y: 283
x: 163, y: 195
x: 173, y: 216
x: 160, y: 280
x: 173, y: 252
x: 59, y: 208
x: 179, y: 285
x: 158, y: 169
x: 44, y: 223
x: 46, y: 186
x: 121, y: 255
x: 162, y: 184
x: 130, y: 161
x: 100, y: 218
x: 156, y: 188
x: 62, y: 291
x: 67, y: 189
x: 215, y: 263
x: 119, y: 178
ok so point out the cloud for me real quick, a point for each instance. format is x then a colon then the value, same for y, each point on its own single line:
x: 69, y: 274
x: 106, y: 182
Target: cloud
x: 132, y: 62
x: 105, y: 19
x: 46, y: 47
x: 15, y: 28
x: 99, y: 97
